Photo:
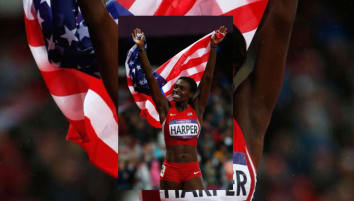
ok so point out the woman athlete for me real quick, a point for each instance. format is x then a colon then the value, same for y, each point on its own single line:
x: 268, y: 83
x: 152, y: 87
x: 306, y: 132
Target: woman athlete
x: 254, y: 101
x: 104, y: 37
x: 181, y: 119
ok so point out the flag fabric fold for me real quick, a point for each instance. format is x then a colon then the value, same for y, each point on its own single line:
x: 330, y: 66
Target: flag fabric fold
x: 60, y: 43
x: 190, y: 62
x: 247, y: 14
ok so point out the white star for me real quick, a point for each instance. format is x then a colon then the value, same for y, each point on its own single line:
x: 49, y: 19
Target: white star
x: 51, y: 44
x: 48, y: 2
x: 69, y: 35
x: 40, y: 20
x: 83, y: 32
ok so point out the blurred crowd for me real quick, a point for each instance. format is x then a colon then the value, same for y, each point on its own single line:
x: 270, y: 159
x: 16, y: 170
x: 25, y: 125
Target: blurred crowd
x: 309, y: 146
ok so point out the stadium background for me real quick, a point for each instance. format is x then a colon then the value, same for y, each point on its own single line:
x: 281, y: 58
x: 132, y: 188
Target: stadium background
x: 309, y: 149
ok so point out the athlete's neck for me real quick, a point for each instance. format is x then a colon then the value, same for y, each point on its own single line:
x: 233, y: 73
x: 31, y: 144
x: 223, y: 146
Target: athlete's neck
x: 181, y: 106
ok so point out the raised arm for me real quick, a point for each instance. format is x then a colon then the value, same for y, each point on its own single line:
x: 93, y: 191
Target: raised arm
x: 256, y: 97
x: 104, y: 36
x: 160, y: 100
x: 204, y: 87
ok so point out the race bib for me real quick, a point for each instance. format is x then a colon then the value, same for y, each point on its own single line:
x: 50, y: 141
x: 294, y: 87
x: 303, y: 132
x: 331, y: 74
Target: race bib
x: 184, y: 128
x: 241, y: 177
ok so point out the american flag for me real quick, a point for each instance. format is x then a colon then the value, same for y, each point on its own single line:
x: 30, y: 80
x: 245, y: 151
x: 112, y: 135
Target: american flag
x: 246, y: 13
x: 60, y: 43
x: 191, y: 61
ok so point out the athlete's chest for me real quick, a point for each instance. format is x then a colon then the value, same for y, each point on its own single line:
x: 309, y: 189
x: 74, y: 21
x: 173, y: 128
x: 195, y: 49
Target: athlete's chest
x: 182, y: 125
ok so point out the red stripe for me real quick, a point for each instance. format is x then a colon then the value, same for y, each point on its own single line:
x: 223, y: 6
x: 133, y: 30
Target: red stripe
x: 65, y: 82
x: 34, y: 33
x: 174, y: 7
x: 140, y: 97
x: 77, y: 131
x: 201, y: 44
x: 129, y: 81
x: 145, y: 114
x: 126, y: 3
x: 253, y: 181
x: 248, y: 17
x: 191, y: 63
x: 99, y: 153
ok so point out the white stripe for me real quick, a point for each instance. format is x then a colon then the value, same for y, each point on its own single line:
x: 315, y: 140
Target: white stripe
x: 254, y: 173
x: 102, y: 119
x: 71, y: 106
x: 198, y: 53
x: 166, y: 71
x: 149, y: 106
x: 252, y: 166
x: 249, y: 36
x: 188, y: 72
x: 227, y: 5
x: 40, y: 55
x: 145, y: 7
x: 29, y: 9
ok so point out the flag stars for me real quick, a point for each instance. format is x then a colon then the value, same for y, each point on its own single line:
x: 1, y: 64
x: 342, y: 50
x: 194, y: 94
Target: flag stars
x: 83, y: 32
x: 69, y: 35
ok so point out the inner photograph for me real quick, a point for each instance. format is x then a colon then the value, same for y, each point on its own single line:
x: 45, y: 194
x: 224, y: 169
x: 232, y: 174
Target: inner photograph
x: 175, y: 95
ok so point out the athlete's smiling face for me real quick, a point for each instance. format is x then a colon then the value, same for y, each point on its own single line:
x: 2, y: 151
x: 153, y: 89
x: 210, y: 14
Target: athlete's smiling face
x: 182, y: 91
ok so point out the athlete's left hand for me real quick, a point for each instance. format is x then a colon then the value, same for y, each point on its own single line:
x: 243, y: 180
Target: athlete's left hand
x: 218, y: 36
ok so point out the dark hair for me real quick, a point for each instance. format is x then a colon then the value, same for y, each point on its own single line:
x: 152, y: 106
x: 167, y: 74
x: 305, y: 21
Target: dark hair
x: 191, y: 82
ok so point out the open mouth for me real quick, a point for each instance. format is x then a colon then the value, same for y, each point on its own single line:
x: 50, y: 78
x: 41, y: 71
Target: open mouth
x: 175, y: 95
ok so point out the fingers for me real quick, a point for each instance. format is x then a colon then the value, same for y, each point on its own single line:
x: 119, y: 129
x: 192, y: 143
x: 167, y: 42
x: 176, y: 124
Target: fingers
x: 223, y: 29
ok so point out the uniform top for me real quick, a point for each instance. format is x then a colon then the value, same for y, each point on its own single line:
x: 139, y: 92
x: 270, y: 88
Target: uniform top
x: 181, y: 128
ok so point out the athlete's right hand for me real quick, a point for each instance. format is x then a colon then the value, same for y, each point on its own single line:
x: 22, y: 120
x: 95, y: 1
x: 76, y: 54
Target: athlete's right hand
x: 138, y: 38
